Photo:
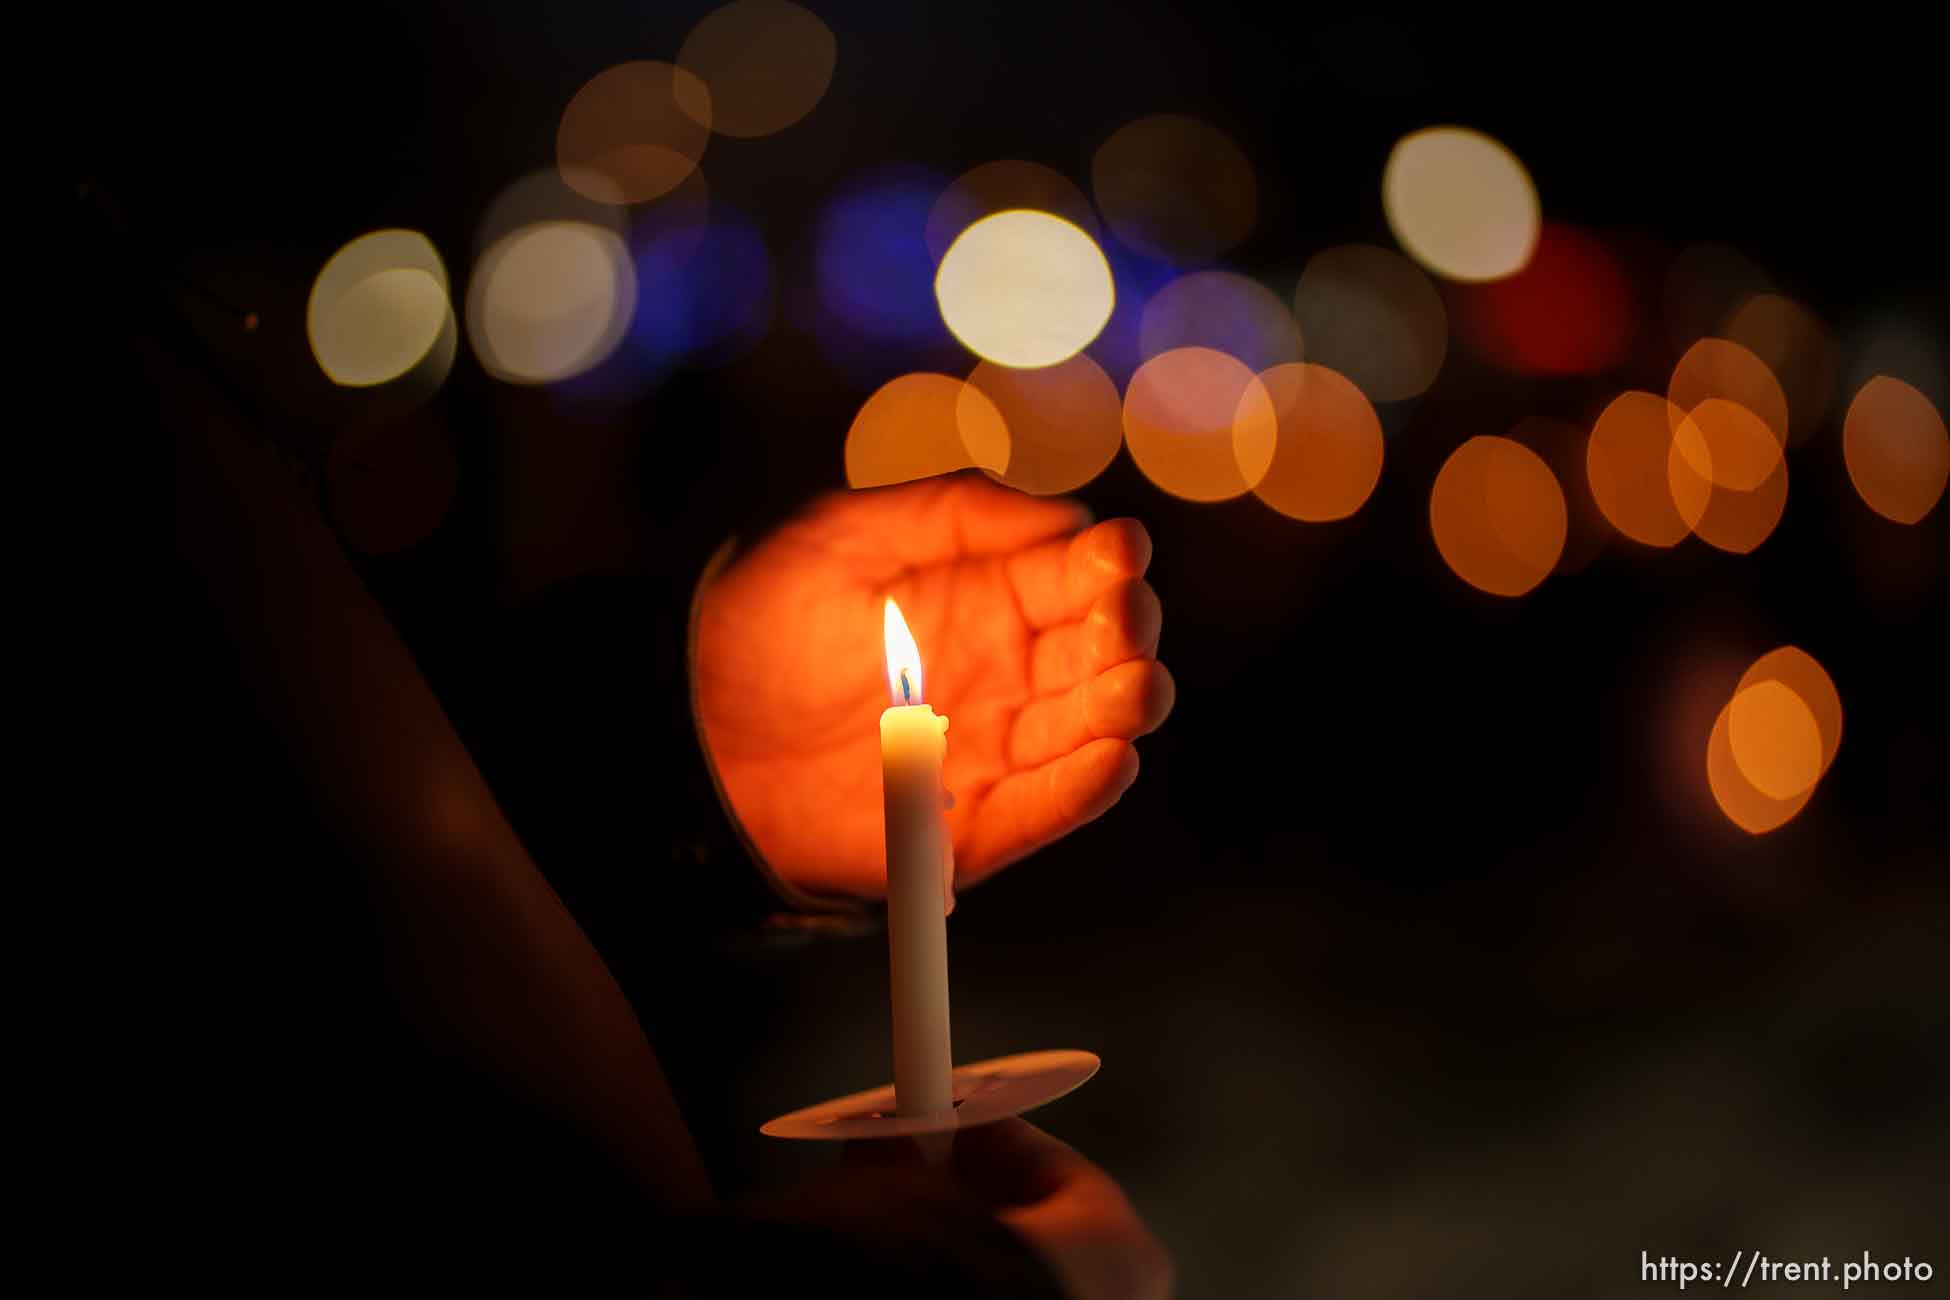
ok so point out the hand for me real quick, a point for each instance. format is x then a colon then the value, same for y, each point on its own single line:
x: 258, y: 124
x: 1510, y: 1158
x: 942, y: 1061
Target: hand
x: 1067, y: 1209
x: 1038, y: 638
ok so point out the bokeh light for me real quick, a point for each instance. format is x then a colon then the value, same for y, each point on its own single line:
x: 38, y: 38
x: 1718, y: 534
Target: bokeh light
x: 875, y: 278
x: 1896, y: 449
x: 766, y: 63
x: 677, y: 221
x: 1024, y: 289
x: 1372, y: 315
x: 919, y: 425
x: 1569, y: 311
x: 1774, y: 740
x: 379, y: 308
x: 1716, y: 367
x: 1797, y: 349
x: 1175, y: 188
x: 550, y: 301
x: 1065, y: 422
x: 1001, y: 186
x: 1745, y: 806
x: 1628, y: 463
x: 1727, y: 444
x: 1797, y: 670
x: 559, y: 194
x: 1199, y: 424
x: 1498, y: 516
x: 1720, y: 445
x: 641, y: 127
x: 1461, y: 204
x: 1223, y: 311
x: 704, y: 296
x: 1328, y: 455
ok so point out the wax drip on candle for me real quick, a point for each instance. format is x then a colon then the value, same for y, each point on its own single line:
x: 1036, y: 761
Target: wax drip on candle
x: 947, y: 871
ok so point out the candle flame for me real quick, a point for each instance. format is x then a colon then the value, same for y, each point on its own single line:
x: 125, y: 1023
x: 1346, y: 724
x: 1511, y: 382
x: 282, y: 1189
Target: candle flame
x: 903, y: 659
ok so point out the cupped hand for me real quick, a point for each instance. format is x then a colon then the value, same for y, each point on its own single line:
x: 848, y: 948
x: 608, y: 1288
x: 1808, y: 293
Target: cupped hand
x: 1038, y: 639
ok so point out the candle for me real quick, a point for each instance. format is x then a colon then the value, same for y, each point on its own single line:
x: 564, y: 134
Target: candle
x: 920, y: 867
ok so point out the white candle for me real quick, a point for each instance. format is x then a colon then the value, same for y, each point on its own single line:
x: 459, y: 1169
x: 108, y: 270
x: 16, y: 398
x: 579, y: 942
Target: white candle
x: 920, y: 869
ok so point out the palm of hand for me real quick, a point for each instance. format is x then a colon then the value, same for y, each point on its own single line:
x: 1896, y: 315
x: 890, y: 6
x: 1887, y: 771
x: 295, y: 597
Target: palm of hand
x: 1036, y: 642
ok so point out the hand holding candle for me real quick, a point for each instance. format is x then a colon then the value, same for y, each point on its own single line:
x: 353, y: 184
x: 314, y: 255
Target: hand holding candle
x: 925, y: 1099
x: 1041, y: 636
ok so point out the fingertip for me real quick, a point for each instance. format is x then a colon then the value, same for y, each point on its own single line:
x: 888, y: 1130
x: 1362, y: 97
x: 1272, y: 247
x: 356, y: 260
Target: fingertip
x: 1121, y: 547
x: 1129, y: 700
x: 1165, y: 698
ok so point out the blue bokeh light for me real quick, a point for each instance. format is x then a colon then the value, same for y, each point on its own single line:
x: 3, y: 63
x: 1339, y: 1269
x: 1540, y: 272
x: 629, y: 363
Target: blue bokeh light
x: 703, y: 297
x: 875, y: 277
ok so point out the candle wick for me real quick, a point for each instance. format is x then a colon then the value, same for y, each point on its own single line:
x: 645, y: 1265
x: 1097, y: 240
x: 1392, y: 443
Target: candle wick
x: 907, y: 692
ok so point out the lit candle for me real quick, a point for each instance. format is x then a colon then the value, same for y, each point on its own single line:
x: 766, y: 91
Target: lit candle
x: 920, y: 875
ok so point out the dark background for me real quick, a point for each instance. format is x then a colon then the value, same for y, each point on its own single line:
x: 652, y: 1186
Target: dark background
x: 1420, y: 960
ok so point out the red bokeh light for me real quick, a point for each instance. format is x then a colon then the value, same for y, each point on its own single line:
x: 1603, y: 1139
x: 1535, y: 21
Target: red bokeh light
x: 1571, y: 311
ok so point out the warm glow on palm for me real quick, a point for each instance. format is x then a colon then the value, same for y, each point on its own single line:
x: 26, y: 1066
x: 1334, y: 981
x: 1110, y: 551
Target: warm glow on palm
x: 1037, y: 641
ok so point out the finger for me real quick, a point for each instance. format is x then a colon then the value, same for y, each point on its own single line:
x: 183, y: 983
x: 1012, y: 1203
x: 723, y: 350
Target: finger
x: 1012, y: 1162
x: 1121, y: 703
x: 1027, y: 810
x: 1070, y: 1211
x: 1057, y: 580
x: 949, y: 518
x: 1122, y: 624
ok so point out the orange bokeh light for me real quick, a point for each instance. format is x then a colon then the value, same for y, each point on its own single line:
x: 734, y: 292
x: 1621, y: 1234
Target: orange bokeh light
x: 1628, y: 462
x: 767, y: 62
x: 1728, y: 445
x: 1721, y: 433
x: 923, y: 424
x: 1796, y: 669
x: 1328, y: 456
x: 1064, y: 421
x: 1199, y: 424
x: 1003, y: 186
x: 1745, y: 806
x: 1175, y: 188
x: 1720, y: 368
x: 1896, y: 449
x: 1774, y: 740
x: 640, y: 127
x: 1498, y: 516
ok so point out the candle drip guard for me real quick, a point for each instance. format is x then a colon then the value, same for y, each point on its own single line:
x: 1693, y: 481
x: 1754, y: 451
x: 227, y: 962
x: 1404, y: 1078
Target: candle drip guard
x: 984, y: 1093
